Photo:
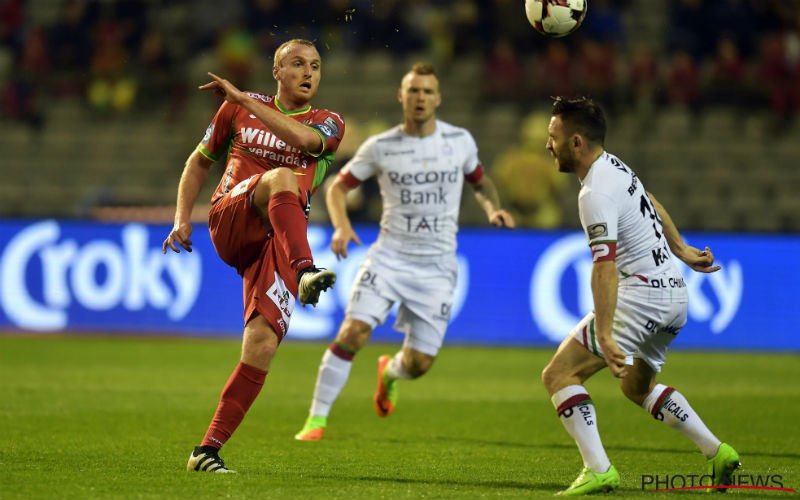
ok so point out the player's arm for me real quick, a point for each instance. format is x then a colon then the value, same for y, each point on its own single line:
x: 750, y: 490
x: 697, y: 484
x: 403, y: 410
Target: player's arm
x: 194, y: 175
x: 699, y: 260
x: 290, y: 131
x: 604, y: 292
x: 488, y: 199
x: 336, y: 201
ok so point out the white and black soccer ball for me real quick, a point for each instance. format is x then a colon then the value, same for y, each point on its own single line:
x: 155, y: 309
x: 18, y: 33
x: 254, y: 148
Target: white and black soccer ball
x: 556, y: 18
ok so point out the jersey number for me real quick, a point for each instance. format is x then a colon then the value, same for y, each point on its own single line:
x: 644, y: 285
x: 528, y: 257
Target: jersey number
x: 648, y: 210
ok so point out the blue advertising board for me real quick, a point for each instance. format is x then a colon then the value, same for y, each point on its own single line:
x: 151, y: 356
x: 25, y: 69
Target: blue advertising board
x: 519, y: 287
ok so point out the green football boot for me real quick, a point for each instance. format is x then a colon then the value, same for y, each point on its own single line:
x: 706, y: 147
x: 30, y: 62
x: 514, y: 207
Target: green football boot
x: 589, y: 482
x: 721, y: 467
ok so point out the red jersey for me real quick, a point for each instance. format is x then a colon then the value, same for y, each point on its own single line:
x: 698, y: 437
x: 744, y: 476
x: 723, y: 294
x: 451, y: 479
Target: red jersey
x: 251, y: 148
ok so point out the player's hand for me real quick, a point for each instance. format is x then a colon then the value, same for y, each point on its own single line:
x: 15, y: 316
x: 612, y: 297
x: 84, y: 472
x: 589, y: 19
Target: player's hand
x: 615, y: 358
x: 180, y: 234
x: 340, y: 239
x: 502, y: 218
x: 701, y: 261
x: 224, y: 88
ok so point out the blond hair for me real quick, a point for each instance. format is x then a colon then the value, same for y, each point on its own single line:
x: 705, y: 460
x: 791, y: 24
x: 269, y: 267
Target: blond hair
x: 294, y: 41
x: 421, y: 68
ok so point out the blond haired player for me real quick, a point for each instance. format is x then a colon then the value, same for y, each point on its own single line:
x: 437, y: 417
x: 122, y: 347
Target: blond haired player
x: 276, y: 151
x: 421, y: 166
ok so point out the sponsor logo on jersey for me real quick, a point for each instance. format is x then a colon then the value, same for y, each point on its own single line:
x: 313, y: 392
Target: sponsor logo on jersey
x: 604, y: 251
x: 208, y: 134
x: 273, y: 149
x: 331, y: 123
x: 597, y: 230
x: 326, y: 130
x: 425, y: 177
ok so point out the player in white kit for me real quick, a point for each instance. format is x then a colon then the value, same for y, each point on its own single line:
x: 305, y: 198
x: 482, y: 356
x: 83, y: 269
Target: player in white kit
x: 421, y: 166
x: 640, y: 301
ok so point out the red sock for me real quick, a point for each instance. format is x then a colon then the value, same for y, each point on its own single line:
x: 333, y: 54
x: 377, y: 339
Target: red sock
x: 239, y: 393
x: 291, y: 228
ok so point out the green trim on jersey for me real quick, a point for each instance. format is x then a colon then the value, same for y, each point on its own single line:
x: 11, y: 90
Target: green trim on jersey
x: 321, y: 138
x: 323, y: 163
x: 291, y: 112
x: 208, y: 154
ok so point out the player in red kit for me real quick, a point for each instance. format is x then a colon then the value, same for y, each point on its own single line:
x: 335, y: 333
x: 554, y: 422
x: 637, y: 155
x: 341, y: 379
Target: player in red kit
x: 277, y: 150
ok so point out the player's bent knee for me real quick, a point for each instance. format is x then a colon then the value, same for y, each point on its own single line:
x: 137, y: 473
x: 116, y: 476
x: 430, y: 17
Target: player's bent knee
x: 259, y: 344
x: 354, y: 334
x: 275, y: 181
x: 550, y: 376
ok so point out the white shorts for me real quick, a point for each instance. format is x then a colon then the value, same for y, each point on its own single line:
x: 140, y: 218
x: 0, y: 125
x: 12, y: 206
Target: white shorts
x: 646, y: 321
x: 423, y: 288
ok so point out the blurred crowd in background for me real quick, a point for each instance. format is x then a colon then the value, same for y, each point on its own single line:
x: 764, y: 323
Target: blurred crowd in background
x: 121, y: 53
x: 123, y: 57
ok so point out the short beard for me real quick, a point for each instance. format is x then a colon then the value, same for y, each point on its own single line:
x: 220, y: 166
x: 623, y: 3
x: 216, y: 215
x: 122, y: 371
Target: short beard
x: 566, y: 161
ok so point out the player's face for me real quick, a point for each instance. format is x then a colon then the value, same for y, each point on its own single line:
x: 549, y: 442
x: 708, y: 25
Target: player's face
x: 559, y: 145
x: 419, y: 95
x: 298, y: 73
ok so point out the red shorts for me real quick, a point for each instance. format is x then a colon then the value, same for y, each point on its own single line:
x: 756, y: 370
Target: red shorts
x: 244, y: 241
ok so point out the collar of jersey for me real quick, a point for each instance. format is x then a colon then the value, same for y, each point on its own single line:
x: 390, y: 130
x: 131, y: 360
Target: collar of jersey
x: 288, y: 112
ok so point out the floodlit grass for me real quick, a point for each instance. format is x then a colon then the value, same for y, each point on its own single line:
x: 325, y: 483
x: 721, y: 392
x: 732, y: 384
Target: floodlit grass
x: 94, y: 417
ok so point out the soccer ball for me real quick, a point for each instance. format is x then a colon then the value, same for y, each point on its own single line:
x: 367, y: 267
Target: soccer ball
x: 556, y: 18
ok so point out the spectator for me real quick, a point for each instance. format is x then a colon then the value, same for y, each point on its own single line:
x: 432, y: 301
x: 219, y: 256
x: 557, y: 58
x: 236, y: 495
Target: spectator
x: 503, y: 76
x: 727, y: 81
x: 644, y: 77
x: 683, y: 81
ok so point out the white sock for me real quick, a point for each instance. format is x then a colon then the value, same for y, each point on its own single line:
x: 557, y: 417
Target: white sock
x: 576, y: 411
x: 333, y: 373
x: 396, y: 370
x: 668, y: 405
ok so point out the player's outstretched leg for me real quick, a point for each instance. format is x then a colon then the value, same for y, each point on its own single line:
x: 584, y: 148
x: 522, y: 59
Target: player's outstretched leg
x: 589, y: 482
x: 311, y: 281
x: 385, y: 398
x: 722, y: 466
x: 206, y: 459
x: 313, y: 429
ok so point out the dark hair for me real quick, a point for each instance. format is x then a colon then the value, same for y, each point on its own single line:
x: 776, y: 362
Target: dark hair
x: 583, y: 116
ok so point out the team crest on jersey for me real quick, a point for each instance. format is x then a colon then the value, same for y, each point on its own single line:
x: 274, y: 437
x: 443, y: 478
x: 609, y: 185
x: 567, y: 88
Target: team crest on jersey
x: 597, y: 230
x: 326, y: 130
x: 330, y: 122
x: 207, y: 136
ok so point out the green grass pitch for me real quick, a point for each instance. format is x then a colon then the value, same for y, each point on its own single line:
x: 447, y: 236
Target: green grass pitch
x: 95, y: 417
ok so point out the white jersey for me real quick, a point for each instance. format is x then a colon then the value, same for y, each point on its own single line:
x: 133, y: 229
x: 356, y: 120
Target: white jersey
x: 421, y: 180
x: 618, y: 217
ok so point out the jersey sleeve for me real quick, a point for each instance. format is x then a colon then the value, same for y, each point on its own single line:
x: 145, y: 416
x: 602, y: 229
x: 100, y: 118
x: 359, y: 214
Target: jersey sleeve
x: 362, y: 165
x: 472, y: 163
x: 330, y: 128
x: 599, y: 218
x: 219, y: 132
